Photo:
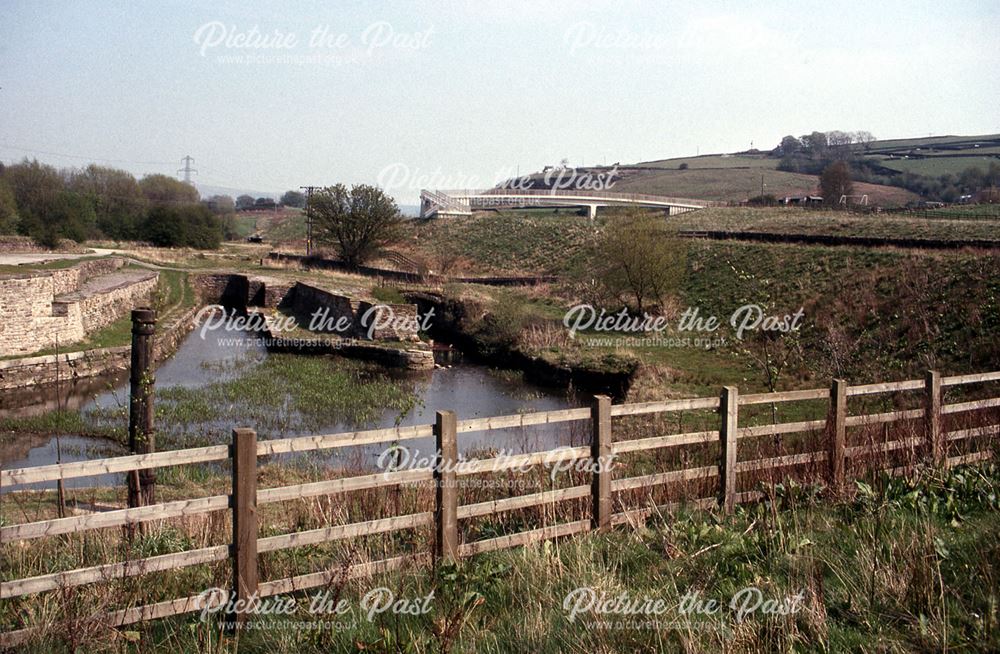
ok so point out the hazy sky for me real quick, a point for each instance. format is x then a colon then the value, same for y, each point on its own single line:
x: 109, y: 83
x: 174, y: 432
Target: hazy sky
x: 439, y: 94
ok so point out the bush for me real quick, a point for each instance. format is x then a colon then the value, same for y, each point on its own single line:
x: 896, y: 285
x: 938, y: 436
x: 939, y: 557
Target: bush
x: 191, y: 226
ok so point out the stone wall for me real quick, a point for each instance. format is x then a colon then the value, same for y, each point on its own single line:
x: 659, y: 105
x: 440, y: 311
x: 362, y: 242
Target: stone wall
x: 396, y: 322
x: 103, y: 308
x: 34, y: 319
x: 71, y: 366
x: 303, y: 300
x: 24, y: 244
x: 28, y: 322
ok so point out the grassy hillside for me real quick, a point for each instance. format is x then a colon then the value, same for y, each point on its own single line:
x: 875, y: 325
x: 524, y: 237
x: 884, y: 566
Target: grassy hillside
x: 729, y: 176
x: 883, y: 312
x: 503, y: 242
x: 714, y: 161
x: 837, y: 223
x: 288, y: 225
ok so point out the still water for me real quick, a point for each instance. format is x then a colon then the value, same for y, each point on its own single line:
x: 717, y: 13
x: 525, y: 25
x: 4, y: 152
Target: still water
x: 470, y: 390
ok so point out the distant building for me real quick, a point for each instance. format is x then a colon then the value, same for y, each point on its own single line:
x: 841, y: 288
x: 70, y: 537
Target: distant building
x: 801, y: 200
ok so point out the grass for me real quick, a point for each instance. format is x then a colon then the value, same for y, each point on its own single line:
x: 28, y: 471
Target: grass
x: 56, y: 264
x: 938, y: 165
x: 869, y: 313
x: 726, y: 184
x: 173, y: 296
x: 503, y: 242
x: 893, y: 565
x: 715, y: 161
x: 289, y: 226
x: 835, y: 223
x: 244, y: 224
x: 277, y: 396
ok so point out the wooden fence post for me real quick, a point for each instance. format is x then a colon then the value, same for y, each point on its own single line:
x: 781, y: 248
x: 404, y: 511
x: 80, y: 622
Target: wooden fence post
x: 729, y: 414
x: 446, y: 491
x: 932, y: 416
x: 244, y: 506
x: 141, y: 483
x: 601, y: 462
x: 837, y: 425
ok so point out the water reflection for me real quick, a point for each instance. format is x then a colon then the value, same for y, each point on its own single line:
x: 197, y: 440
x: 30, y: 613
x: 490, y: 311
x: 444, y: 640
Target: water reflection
x: 472, y: 391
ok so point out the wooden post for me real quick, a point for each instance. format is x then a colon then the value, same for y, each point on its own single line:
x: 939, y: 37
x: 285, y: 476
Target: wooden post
x: 244, y: 507
x: 729, y: 414
x: 601, y: 460
x: 932, y: 417
x: 837, y: 425
x: 142, y: 483
x: 446, y: 491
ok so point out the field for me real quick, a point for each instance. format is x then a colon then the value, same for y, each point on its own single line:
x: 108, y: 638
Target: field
x: 287, y: 226
x: 735, y: 177
x: 715, y: 161
x: 836, y: 223
x: 732, y: 184
x: 939, y: 165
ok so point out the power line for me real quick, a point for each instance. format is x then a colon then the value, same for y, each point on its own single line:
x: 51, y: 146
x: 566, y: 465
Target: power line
x: 85, y: 158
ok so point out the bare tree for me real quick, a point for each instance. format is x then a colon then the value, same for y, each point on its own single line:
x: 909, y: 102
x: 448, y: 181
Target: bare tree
x: 640, y: 259
x: 835, y: 181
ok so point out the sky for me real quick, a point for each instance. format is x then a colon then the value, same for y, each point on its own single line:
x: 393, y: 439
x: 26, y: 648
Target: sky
x: 270, y: 96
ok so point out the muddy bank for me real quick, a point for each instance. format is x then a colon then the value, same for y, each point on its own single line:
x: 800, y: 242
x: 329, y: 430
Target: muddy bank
x: 459, y: 323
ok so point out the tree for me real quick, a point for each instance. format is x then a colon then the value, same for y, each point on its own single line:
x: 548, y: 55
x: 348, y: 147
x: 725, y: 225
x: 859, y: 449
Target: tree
x: 789, y: 145
x: 835, y: 181
x: 359, y: 222
x: 8, y: 209
x: 864, y: 138
x: 815, y: 144
x: 221, y: 204
x: 162, y: 189
x: 182, y: 225
x: 639, y: 260
x: 244, y: 202
x: 293, y: 199
x: 119, y: 205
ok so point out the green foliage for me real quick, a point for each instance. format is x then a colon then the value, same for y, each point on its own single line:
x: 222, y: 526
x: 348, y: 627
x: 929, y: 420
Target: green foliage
x: 8, y: 209
x: 639, y: 261
x: 48, y: 205
x: 162, y: 189
x: 388, y: 294
x: 359, y: 222
x: 184, y: 225
x: 501, y: 326
x: 294, y: 199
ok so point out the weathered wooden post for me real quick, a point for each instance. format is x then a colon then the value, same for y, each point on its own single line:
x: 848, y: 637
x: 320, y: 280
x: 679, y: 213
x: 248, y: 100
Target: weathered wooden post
x: 932, y: 417
x: 601, y: 460
x: 729, y: 415
x: 446, y: 488
x: 244, y: 508
x: 142, y: 483
x: 837, y: 425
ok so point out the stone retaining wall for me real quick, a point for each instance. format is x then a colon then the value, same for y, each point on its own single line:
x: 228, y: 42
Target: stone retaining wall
x: 34, y: 319
x: 303, y: 300
x: 70, y: 366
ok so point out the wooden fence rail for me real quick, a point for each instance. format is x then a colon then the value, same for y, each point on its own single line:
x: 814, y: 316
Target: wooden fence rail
x: 930, y: 442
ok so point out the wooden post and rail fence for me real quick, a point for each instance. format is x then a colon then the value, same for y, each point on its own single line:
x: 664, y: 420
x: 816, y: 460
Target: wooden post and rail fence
x: 245, y: 498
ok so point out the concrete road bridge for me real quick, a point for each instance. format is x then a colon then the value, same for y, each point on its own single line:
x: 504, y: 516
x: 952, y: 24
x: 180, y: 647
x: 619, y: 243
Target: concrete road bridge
x: 464, y: 202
